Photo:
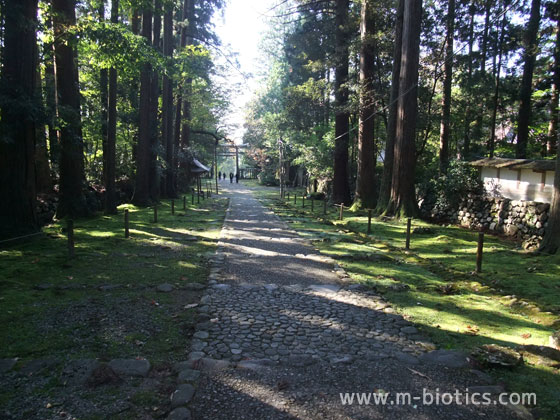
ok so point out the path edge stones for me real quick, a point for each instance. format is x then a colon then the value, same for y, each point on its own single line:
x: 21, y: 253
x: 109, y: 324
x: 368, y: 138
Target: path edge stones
x: 189, y: 371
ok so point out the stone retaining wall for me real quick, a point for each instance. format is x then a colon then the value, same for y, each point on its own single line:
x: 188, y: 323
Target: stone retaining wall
x: 525, y: 221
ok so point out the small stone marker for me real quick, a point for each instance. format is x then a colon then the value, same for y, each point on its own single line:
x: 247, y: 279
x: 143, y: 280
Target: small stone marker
x: 188, y: 375
x: 447, y: 358
x: 180, y: 413
x: 182, y: 395
x: 165, y: 288
x: 130, y: 367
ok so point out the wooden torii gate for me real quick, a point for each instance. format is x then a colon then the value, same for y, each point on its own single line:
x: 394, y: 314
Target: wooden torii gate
x: 232, y: 151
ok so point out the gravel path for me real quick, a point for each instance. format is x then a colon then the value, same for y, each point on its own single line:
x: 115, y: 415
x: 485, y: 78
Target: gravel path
x: 292, y: 335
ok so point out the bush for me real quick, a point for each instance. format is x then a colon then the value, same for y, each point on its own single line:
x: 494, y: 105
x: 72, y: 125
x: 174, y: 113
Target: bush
x: 447, y: 191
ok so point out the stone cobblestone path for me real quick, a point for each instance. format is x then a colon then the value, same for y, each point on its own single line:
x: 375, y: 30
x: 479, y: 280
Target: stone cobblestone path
x: 282, y: 332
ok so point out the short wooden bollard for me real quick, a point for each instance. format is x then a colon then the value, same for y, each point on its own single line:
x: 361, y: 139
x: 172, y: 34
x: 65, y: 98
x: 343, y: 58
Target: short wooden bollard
x: 184, y: 203
x: 479, y: 252
x: 70, y: 231
x: 369, y: 221
x: 408, y: 225
x: 312, y: 204
x: 341, y: 215
x: 155, y: 213
x: 303, y: 201
x: 295, y: 198
x: 288, y: 199
x: 172, y: 206
x: 325, y: 206
x: 192, y: 197
x: 126, y: 229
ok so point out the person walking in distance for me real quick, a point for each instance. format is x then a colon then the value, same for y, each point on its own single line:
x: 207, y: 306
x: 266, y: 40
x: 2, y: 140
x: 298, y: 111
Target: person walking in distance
x: 219, y: 175
x: 237, y: 178
x: 231, y: 177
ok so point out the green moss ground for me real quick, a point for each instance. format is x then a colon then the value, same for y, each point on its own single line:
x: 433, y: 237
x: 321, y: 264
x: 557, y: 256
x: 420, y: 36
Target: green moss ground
x: 39, y: 323
x: 514, y: 301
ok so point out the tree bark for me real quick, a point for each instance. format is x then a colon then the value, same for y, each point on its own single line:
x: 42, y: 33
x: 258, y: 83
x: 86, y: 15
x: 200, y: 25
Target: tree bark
x: 72, y: 200
x: 551, y: 240
x: 43, y: 180
x: 386, y: 180
x: 446, y: 101
x: 155, y: 182
x: 104, y: 99
x: 403, y: 197
x: 110, y: 161
x: 496, y: 95
x: 552, y: 139
x: 529, y: 56
x: 188, y: 15
x: 167, y: 105
x: 468, y: 110
x: 143, y: 153
x: 365, y: 181
x: 17, y: 125
x: 341, y: 188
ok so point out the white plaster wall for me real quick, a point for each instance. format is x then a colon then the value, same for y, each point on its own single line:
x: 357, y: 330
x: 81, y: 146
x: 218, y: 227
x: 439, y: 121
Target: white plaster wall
x: 528, y: 189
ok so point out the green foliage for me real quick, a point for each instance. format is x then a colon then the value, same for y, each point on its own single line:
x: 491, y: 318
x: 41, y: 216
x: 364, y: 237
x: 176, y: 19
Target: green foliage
x: 447, y: 190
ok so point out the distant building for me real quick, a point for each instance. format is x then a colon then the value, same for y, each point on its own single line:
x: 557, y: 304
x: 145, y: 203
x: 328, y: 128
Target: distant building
x: 518, y: 179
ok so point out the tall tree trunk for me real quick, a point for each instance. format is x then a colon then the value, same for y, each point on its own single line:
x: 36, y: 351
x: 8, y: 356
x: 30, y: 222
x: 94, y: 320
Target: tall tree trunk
x: 403, y: 197
x: 553, y: 124
x: 529, y: 55
x: 154, y: 108
x: 386, y: 180
x: 110, y: 161
x: 43, y: 180
x: 496, y: 95
x: 365, y: 181
x: 551, y: 240
x: 188, y: 15
x: 104, y: 99
x: 341, y: 188
x: 17, y: 124
x: 143, y: 152
x: 50, y: 102
x: 468, y: 87
x: 477, y: 131
x: 72, y: 200
x: 447, y: 79
x: 167, y: 107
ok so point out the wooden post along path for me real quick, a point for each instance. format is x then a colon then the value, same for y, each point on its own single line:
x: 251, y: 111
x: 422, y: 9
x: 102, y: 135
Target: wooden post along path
x: 408, y: 225
x: 126, y: 228
x: 341, y: 215
x: 479, y: 252
x: 369, y: 221
x: 70, y: 231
